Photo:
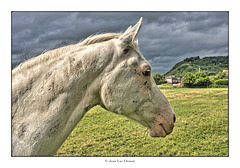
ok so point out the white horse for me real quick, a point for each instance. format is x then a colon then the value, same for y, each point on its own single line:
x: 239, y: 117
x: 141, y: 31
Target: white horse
x: 52, y: 92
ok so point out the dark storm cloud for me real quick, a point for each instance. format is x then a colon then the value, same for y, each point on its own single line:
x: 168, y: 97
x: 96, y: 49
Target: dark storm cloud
x: 165, y: 37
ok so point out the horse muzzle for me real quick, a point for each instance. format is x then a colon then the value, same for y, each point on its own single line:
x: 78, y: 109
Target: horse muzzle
x: 162, y: 129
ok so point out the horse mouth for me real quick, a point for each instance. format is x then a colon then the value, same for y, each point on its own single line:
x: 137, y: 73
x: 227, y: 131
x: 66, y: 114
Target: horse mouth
x: 158, y: 130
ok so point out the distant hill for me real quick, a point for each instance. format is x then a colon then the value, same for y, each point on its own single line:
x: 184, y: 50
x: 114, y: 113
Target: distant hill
x: 211, y: 65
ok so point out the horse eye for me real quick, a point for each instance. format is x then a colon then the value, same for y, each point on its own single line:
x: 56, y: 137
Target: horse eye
x: 126, y: 51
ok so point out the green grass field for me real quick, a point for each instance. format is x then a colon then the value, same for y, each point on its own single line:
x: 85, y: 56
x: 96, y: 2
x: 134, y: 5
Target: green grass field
x: 201, y: 129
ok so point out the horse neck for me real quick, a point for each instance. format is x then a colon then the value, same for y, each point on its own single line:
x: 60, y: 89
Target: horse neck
x: 61, y: 93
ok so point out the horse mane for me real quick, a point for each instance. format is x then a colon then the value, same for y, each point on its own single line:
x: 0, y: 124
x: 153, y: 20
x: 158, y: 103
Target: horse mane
x: 93, y: 39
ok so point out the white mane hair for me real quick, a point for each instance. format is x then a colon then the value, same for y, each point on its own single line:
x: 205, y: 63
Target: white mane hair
x: 93, y: 39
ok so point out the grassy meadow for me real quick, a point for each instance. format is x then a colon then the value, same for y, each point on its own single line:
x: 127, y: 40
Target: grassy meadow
x: 201, y: 129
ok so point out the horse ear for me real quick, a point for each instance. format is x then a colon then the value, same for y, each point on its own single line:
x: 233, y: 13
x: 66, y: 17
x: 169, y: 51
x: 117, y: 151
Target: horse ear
x: 129, y: 35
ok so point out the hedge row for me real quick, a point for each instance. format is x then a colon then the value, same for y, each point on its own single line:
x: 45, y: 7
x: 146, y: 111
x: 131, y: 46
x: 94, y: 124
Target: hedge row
x: 222, y: 82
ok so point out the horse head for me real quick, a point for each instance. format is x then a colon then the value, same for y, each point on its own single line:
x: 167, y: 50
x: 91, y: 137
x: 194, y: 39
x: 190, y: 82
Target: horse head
x: 128, y: 88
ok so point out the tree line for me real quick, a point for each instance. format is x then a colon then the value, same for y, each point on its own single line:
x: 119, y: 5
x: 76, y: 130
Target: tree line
x: 199, y: 79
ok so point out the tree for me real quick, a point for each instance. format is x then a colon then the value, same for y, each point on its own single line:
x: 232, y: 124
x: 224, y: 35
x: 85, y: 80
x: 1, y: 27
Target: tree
x: 221, y: 75
x: 189, y: 79
x: 200, y: 79
x: 191, y: 59
x: 201, y: 74
x: 159, y: 79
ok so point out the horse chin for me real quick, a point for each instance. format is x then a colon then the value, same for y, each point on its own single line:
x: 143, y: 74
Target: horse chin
x: 154, y: 133
x: 158, y: 130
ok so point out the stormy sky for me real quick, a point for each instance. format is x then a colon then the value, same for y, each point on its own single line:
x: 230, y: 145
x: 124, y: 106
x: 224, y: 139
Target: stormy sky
x: 164, y: 39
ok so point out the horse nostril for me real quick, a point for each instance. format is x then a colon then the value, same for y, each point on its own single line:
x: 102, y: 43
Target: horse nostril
x: 146, y: 73
x: 174, y: 118
x: 146, y: 69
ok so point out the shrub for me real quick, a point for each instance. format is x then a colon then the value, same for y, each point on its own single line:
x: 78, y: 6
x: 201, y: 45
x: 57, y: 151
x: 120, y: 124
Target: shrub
x: 222, y: 82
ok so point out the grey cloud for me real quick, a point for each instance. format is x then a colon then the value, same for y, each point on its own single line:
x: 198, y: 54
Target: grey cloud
x: 165, y: 37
